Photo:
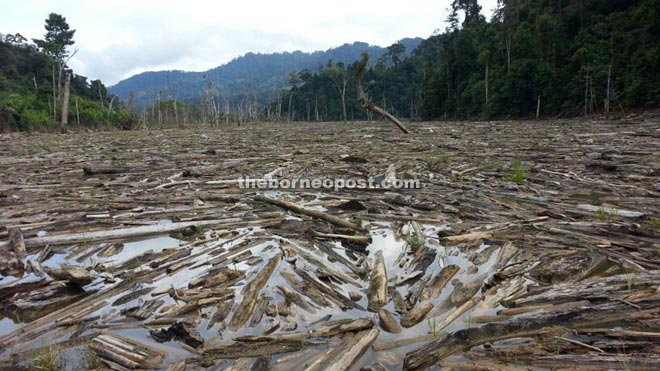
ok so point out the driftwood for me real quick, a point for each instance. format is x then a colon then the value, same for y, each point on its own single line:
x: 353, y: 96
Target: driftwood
x: 71, y: 273
x: 331, y: 328
x: 377, y: 294
x: 112, y: 234
x: 126, y: 352
x: 577, y: 245
x: 250, y: 291
x: 388, y: 322
x: 518, y: 327
x: 345, y: 355
x: 180, y: 331
x: 309, y: 212
x: 416, y: 314
x: 439, y: 281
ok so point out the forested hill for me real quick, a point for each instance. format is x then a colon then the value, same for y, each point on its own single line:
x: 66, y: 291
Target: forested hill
x: 263, y: 75
x: 564, y: 58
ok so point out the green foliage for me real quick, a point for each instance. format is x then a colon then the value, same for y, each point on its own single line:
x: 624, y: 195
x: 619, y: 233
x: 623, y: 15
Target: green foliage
x: 26, y: 85
x: 47, y: 359
x: 498, y: 69
x: 517, y: 173
x: 654, y: 223
x: 415, y: 241
x: 433, y: 162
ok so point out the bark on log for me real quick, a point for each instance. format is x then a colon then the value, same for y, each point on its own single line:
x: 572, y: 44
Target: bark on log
x: 520, y: 327
x: 309, y: 212
x: 250, y: 292
x: 111, y: 234
x: 377, y: 295
x: 364, y: 100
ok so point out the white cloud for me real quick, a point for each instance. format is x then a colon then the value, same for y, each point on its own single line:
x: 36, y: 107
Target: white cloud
x: 117, y: 39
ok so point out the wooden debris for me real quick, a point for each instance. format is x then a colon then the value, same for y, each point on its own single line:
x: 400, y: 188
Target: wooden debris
x: 180, y: 331
x: 439, y: 281
x: 128, y: 353
x: 377, y: 294
x: 71, y: 273
x: 346, y: 354
x: 309, y: 212
x: 250, y: 291
x: 388, y: 322
x: 416, y: 314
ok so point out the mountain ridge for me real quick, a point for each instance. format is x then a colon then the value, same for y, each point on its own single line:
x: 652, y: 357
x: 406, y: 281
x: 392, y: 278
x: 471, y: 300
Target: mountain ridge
x: 253, y: 74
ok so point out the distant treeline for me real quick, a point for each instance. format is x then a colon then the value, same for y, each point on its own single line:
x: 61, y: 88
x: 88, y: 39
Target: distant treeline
x: 547, y: 58
x: 559, y: 57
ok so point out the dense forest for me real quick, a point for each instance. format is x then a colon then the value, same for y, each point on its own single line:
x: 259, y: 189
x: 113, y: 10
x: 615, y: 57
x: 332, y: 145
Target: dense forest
x: 32, y: 84
x: 531, y: 58
x: 263, y: 75
x: 552, y: 57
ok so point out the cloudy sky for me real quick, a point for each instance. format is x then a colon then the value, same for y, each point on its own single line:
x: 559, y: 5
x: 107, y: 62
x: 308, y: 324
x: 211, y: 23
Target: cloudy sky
x: 119, y: 38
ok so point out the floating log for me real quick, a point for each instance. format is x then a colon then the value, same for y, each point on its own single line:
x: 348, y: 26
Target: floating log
x: 416, y: 314
x: 328, y: 329
x: 388, y: 322
x: 95, y: 236
x: 519, y: 327
x: 377, y: 294
x: 439, y: 281
x: 250, y: 291
x: 71, y: 273
x: 346, y: 354
x: 309, y: 212
x: 126, y: 352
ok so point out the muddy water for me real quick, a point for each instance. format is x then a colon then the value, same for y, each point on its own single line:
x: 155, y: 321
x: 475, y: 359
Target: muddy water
x: 384, y: 240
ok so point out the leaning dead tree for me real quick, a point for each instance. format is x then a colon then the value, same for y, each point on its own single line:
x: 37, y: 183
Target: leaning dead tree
x: 364, y: 100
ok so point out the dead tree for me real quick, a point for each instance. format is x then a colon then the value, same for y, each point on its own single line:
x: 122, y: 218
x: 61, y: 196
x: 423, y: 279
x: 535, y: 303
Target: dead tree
x: 364, y: 100
x: 65, y: 102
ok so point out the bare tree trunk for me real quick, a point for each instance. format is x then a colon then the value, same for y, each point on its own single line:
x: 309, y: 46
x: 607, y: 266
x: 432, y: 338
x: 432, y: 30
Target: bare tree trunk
x: 364, y: 100
x: 586, y: 92
x: 101, y: 97
x: 176, y: 112
x: 343, y: 99
x: 54, y: 96
x: 316, y: 108
x: 508, y: 52
x: 290, y: 114
x: 607, y: 100
x: 486, y: 83
x: 110, y: 107
x: 160, y: 114
x: 538, y: 107
x: 77, y: 113
x: 65, y: 102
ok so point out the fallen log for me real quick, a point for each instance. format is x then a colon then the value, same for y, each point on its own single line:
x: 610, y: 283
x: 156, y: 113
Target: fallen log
x: 250, y: 349
x: 126, y: 352
x: 111, y: 234
x: 434, y: 288
x: 71, y: 273
x: 250, y: 292
x: 309, y: 212
x: 346, y: 354
x: 364, y: 100
x: 180, y: 331
x: 377, y: 294
x: 521, y: 327
x: 388, y: 322
x: 592, y: 289
x: 330, y: 328
x: 416, y: 314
